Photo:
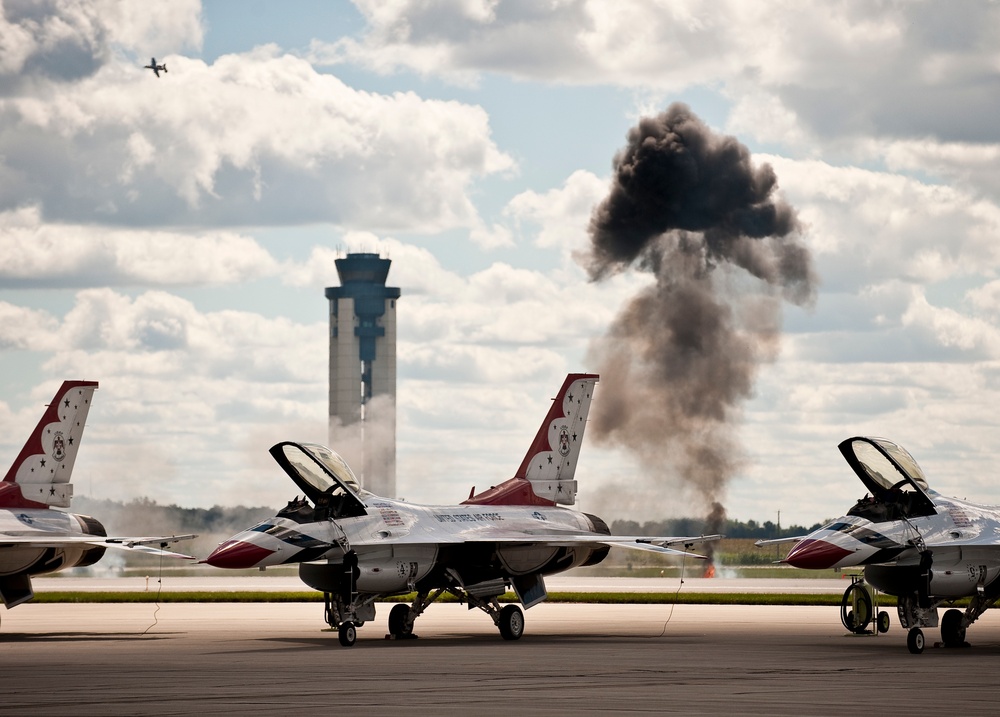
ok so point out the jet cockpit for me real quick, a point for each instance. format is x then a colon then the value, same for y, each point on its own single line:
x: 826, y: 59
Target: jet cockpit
x: 323, y: 476
x: 897, y: 486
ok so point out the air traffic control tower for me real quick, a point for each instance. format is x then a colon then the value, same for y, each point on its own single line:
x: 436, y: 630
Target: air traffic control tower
x: 363, y: 370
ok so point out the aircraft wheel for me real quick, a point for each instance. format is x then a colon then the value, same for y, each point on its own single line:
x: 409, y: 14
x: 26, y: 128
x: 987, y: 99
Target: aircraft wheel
x: 915, y: 640
x: 952, y: 632
x: 348, y: 634
x: 397, y: 621
x: 883, y: 621
x: 511, y: 622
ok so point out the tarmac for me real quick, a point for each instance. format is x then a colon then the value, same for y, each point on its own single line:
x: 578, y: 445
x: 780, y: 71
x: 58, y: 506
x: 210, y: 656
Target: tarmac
x: 574, y: 659
x: 222, y: 582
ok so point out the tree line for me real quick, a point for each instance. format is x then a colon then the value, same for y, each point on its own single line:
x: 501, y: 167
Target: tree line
x: 697, y: 526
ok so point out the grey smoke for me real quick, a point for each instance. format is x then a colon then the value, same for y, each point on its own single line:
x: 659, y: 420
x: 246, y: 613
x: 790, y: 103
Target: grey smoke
x: 688, y: 206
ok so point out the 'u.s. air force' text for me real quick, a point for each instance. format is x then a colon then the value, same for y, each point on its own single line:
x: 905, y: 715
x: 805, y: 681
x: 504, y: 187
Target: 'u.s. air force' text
x: 467, y: 517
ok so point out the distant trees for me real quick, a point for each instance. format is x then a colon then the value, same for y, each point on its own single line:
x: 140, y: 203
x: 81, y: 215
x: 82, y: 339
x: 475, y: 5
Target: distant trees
x: 143, y: 516
x: 696, y: 526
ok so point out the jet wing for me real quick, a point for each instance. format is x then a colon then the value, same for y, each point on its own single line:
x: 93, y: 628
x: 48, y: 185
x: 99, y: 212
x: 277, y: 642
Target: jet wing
x: 556, y: 538
x: 651, y: 544
x: 662, y: 545
x: 56, y: 540
x: 779, y: 541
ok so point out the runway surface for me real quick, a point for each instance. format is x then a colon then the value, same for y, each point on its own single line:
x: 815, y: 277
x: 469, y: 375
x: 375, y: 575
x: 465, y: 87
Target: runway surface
x: 238, y: 659
x: 223, y: 582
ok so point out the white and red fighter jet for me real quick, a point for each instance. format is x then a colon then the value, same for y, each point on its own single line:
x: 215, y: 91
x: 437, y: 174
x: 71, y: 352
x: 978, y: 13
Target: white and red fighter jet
x: 912, y: 542
x: 35, y: 536
x: 358, y: 548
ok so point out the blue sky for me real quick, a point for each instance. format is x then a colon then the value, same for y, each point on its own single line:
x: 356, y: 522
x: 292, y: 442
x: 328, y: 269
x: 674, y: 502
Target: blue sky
x: 172, y: 237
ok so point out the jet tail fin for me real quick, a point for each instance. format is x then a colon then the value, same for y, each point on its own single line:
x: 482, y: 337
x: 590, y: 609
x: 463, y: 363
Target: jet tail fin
x: 39, y: 477
x: 546, y: 475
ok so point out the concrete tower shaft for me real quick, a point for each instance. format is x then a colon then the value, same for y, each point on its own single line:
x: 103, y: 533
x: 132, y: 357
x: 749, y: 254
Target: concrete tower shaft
x: 363, y: 370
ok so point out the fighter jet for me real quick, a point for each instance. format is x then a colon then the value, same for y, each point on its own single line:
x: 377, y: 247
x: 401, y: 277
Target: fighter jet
x: 35, y: 536
x: 154, y: 67
x: 912, y: 542
x: 358, y: 548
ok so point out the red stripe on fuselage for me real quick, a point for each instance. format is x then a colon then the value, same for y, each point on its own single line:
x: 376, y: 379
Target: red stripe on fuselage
x: 815, y: 554
x: 237, y: 554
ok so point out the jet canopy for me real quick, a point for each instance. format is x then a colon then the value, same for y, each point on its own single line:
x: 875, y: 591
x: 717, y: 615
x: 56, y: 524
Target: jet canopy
x: 898, y: 486
x: 323, y: 476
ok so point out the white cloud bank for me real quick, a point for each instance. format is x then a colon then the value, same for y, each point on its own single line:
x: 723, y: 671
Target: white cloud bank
x: 256, y: 139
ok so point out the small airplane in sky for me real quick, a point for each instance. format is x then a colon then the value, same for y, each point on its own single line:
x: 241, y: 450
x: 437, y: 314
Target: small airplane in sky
x: 913, y: 543
x: 36, y: 537
x: 358, y: 548
x: 154, y: 67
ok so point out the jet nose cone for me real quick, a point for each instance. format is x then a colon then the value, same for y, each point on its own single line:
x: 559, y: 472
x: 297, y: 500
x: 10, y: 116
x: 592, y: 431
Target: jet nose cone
x: 237, y: 554
x: 815, y: 554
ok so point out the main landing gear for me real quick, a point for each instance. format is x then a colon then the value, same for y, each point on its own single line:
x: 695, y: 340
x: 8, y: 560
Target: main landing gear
x: 953, y: 624
x: 509, y: 619
x: 348, y: 610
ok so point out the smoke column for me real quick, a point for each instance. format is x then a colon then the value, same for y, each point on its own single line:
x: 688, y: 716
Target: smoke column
x: 687, y: 206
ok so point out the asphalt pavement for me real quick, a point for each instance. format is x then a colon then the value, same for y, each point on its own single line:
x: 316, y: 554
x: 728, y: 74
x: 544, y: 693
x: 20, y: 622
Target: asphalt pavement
x: 574, y: 659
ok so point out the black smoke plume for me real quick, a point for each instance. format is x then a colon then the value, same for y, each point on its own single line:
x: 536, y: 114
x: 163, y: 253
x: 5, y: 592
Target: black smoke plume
x: 688, y: 206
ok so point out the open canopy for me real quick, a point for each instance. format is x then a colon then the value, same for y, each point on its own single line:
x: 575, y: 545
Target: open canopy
x: 323, y: 476
x: 889, y: 472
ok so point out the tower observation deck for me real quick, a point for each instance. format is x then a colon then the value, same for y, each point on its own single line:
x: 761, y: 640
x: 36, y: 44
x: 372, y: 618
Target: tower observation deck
x: 362, y: 424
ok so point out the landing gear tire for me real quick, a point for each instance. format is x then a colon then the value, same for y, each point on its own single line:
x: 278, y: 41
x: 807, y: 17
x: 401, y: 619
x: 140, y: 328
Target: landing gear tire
x: 511, y: 622
x: 952, y: 632
x: 883, y: 621
x: 348, y: 634
x: 397, y: 621
x: 915, y: 640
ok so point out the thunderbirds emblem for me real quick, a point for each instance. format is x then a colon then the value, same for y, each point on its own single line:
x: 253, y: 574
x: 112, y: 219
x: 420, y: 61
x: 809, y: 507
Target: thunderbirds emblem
x: 58, y: 446
x: 564, y: 441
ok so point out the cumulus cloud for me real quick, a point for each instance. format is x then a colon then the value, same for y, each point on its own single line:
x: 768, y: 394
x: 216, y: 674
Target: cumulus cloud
x: 182, y: 391
x: 972, y: 337
x: 942, y: 412
x: 63, y: 40
x: 561, y: 214
x: 579, y: 41
x: 200, y: 394
x: 260, y: 138
x: 866, y: 227
x: 973, y: 166
x: 160, y: 334
x: 26, y: 329
x: 39, y: 254
x: 806, y: 73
